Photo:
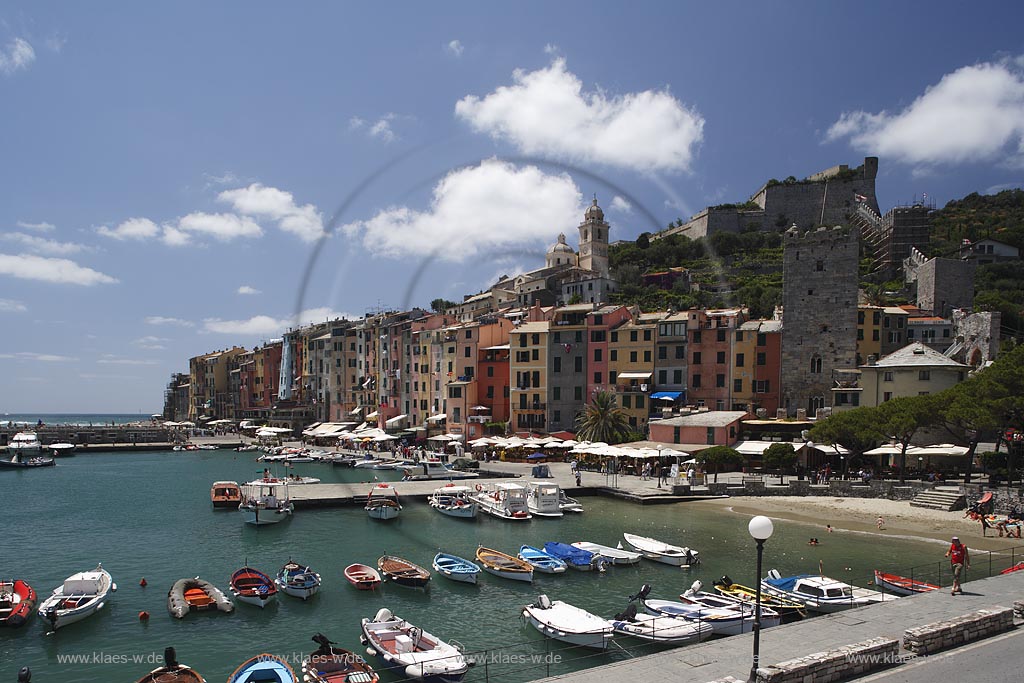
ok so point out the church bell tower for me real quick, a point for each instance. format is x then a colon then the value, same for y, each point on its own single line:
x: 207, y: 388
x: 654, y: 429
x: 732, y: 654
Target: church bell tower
x: 594, y: 240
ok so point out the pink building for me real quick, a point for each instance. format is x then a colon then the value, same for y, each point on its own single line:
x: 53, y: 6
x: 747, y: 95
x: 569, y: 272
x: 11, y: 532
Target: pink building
x: 704, y: 428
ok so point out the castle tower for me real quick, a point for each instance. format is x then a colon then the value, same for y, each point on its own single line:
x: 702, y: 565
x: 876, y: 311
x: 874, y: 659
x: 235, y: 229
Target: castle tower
x: 819, y: 314
x: 594, y: 240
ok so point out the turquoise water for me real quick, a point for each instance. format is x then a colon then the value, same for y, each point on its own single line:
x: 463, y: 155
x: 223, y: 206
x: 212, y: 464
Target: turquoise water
x: 31, y: 419
x: 148, y: 515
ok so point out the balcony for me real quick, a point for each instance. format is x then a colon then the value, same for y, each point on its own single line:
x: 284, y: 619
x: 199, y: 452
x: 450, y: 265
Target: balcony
x: 532, y: 406
x: 482, y: 419
x: 634, y: 389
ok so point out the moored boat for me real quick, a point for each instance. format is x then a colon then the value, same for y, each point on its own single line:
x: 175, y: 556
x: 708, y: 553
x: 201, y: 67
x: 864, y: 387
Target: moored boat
x: 431, y: 469
x: 504, y: 565
x: 568, y: 623
x: 901, y: 585
x: 543, y: 499
x: 660, y: 628
x: 382, y: 502
x: 60, y: 450
x: 653, y: 549
x: 577, y: 558
x: 17, y: 600
x: 25, y: 443
x: 265, y: 502
x: 403, y: 572
x: 172, y: 671
x: 18, y: 460
x: 567, y: 504
x: 821, y: 593
x: 503, y: 500
x: 696, y: 596
x: 265, y: 668
x: 196, y: 595
x: 225, y: 494
x: 80, y: 595
x: 411, y: 650
x: 252, y: 586
x: 1015, y: 568
x: 454, y: 501
x: 611, y: 555
x: 541, y: 561
x: 362, y: 576
x: 725, y: 622
x: 784, y: 606
x: 331, y: 664
x: 455, y: 568
x: 298, y: 580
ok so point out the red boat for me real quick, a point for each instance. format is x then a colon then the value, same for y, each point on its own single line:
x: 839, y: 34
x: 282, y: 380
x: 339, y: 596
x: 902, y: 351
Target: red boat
x: 252, y: 586
x: 363, y: 577
x: 1015, y: 568
x: 901, y: 585
x: 334, y: 665
x: 17, y: 601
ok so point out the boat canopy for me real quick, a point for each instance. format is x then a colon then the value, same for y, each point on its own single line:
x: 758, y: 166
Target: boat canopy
x: 787, y: 583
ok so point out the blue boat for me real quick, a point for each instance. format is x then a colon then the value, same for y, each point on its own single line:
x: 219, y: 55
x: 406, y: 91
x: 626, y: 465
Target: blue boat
x: 455, y: 568
x: 541, y: 561
x: 264, y: 668
x: 577, y: 558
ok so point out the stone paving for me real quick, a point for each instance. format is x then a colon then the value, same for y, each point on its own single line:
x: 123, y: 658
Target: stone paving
x: 732, y: 656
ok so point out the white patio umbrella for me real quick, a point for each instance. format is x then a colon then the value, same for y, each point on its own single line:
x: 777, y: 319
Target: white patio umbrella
x: 672, y: 453
x: 440, y: 437
x: 887, y: 449
x: 568, y: 443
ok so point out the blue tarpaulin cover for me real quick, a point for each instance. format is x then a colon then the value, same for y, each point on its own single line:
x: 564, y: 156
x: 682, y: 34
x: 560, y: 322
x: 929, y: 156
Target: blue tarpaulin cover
x: 667, y: 394
x: 568, y: 553
x: 786, y: 583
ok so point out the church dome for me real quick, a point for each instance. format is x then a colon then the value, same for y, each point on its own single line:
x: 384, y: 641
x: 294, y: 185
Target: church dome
x: 560, y: 247
x: 594, y: 211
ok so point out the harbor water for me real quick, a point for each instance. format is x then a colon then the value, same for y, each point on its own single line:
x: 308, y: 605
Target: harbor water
x: 149, y: 515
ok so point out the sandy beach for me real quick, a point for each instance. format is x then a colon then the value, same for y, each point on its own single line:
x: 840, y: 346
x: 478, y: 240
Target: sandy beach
x: 861, y: 514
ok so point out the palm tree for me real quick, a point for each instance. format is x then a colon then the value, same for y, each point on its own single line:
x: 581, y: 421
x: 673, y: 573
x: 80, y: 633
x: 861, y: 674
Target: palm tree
x: 603, y: 420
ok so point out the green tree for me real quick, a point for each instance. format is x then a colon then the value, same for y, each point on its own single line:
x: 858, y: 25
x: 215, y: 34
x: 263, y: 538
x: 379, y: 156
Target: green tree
x: 643, y: 240
x: 856, y: 430
x: 575, y: 299
x: 603, y: 420
x: 904, y: 417
x: 719, y: 457
x: 779, y: 456
x: 440, y: 305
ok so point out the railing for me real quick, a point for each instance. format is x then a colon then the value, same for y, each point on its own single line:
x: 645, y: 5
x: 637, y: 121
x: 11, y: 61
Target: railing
x: 482, y: 419
x: 984, y: 564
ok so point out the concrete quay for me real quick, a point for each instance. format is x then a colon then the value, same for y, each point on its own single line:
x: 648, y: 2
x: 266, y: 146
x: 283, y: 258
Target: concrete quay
x: 730, y: 658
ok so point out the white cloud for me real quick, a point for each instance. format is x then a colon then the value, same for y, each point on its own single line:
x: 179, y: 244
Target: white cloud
x: 131, y: 229
x: 41, y: 357
x: 43, y: 245
x: 56, y: 42
x: 56, y: 270
x: 621, y: 205
x: 160, y: 320
x: 382, y: 128
x: 259, y: 200
x: 474, y: 210
x: 246, y: 289
x: 975, y: 114
x: 151, y: 343
x: 17, y: 55
x: 226, y: 178
x: 455, y: 48
x: 547, y: 113
x: 262, y: 325
x: 12, y: 306
x: 552, y: 49
x: 355, y: 123
x: 41, y: 226
x: 222, y: 227
x: 996, y: 189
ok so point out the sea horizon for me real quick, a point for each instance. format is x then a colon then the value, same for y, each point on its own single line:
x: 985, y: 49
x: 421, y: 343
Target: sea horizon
x: 33, y: 418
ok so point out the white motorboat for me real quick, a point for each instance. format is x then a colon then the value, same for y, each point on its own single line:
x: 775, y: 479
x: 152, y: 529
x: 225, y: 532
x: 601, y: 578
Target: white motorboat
x: 382, y: 502
x: 265, y: 501
x: 25, y: 444
x: 696, y: 596
x: 665, y: 553
x: 61, y: 449
x: 542, y: 498
x: 659, y: 628
x: 411, y: 651
x: 79, y: 596
x: 296, y: 480
x: 820, y: 593
x: 367, y: 464
x: 725, y: 622
x: 503, y: 500
x: 570, y: 624
x: 612, y: 555
x: 567, y: 504
x: 432, y: 469
x: 454, y: 501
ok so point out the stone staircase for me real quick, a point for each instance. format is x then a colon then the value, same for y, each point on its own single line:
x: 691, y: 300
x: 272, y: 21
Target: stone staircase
x: 939, y: 499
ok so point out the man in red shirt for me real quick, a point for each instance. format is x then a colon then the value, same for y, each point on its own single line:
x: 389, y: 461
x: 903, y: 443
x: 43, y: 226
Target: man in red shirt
x: 959, y: 559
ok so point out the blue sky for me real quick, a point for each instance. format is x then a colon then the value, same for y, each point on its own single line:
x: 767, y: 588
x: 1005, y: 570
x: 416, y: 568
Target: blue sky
x: 168, y: 169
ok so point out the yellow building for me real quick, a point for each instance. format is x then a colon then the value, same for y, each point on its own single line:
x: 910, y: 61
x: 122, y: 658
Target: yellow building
x: 631, y: 369
x: 528, y: 370
x: 914, y: 370
x: 881, y: 330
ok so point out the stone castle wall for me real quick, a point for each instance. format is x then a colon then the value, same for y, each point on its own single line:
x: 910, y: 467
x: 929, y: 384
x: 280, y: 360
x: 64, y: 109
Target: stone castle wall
x: 945, y: 284
x: 819, y: 315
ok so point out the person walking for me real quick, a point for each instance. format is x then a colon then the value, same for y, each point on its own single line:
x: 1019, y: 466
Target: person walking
x: 656, y: 471
x: 662, y: 475
x: 959, y: 559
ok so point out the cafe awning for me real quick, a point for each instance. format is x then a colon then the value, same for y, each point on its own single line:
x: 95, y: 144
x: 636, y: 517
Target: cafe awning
x: 438, y: 417
x: 395, y: 420
x: 667, y: 395
x: 633, y: 375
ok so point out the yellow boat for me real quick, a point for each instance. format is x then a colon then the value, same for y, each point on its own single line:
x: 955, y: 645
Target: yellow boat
x: 785, y: 608
x: 504, y: 565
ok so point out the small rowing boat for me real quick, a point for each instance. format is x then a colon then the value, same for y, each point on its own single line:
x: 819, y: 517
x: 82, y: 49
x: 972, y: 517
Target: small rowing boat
x: 455, y: 568
x: 503, y: 565
x: 362, y: 576
x: 171, y: 671
x: 403, y: 572
x: 901, y: 585
x: 541, y: 561
x: 252, y: 586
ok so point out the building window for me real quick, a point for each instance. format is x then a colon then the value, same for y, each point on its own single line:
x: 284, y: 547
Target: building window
x: 556, y: 338
x: 887, y: 376
x: 860, y: 317
x: 737, y: 385
x: 662, y: 353
x: 886, y: 396
x: 598, y: 355
x: 695, y: 383
x: 762, y: 386
x: 611, y: 376
x: 577, y: 393
x: 711, y: 435
x: 680, y: 352
x: 739, y: 335
x: 647, y: 356
x: 632, y: 335
x: 696, y: 337
x: 597, y: 378
x: 626, y: 402
x: 640, y: 401
x: 720, y: 357
x: 696, y: 357
x: 598, y: 336
x: 677, y: 377
x: 924, y: 375
x: 615, y: 337
x: 557, y: 416
x: 816, y: 364
x: 675, y: 435
x: 578, y: 364
x: 556, y: 393
x: 468, y: 353
x: 556, y: 364
x: 762, y: 358
x: 632, y: 356
x: 647, y: 335
x: 719, y: 381
x: 490, y: 391
x: 535, y: 354
x: 739, y: 360
x: 662, y: 376
x: 860, y: 334
x: 613, y: 354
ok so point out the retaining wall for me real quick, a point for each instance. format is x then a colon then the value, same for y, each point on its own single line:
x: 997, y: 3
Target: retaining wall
x: 967, y: 628
x: 833, y: 489
x: 849, y: 661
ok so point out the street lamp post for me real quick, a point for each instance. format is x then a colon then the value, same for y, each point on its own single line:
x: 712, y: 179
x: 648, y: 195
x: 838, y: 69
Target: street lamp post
x: 760, y: 529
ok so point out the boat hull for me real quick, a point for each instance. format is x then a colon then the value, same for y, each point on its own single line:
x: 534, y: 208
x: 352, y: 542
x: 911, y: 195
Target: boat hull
x: 456, y: 569
x: 383, y: 512
x: 901, y: 585
x: 663, y: 630
x: 19, y: 604
x: 446, y: 666
x: 57, y: 612
x: 610, y: 555
x: 363, y: 577
x: 468, y: 511
x: 264, y: 667
x: 596, y: 639
x: 259, y: 516
x: 179, y: 606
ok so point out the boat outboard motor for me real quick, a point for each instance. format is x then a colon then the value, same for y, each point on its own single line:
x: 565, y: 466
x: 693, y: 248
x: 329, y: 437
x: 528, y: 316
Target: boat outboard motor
x: 543, y: 602
x: 641, y: 594
x: 383, y: 614
x: 628, y: 614
x: 695, y: 587
x: 25, y: 675
x: 726, y: 581
x: 774, y: 574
